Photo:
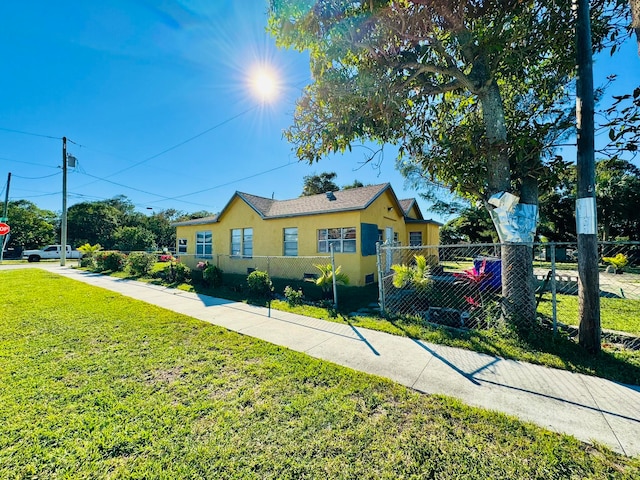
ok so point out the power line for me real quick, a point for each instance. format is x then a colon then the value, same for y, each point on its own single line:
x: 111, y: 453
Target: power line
x: 231, y: 182
x: 138, y: 190
x: 28, y: 163
x: 183, y: 142
x: 38, y: 178
x: 30, y: 133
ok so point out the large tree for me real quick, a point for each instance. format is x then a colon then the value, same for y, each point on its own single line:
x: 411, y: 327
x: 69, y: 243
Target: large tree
x: 94, y: 222
x: 393, y: 71
x: 322, y: 183
x: 31, y: 227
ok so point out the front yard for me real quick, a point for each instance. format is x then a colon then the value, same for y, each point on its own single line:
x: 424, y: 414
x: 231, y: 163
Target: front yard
x: 95, y: 385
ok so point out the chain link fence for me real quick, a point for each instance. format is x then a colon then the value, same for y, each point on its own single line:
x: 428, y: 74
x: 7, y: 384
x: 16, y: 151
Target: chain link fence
x: 294, y: 268
x: 461, y: 285
x: 296, y: 272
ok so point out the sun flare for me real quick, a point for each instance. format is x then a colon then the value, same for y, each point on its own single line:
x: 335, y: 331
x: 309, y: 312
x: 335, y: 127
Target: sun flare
x: 264, y: 83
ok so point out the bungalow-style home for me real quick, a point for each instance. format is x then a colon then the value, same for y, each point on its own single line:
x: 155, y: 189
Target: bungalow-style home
x: 353, y: 221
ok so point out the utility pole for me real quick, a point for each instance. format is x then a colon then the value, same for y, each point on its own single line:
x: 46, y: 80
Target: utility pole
x: 5, y: 213
x: 63, y: 226
x: 586, y: 221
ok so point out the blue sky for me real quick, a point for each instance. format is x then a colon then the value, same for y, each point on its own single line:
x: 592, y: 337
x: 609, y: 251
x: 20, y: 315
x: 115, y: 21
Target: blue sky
x: 127, y: 81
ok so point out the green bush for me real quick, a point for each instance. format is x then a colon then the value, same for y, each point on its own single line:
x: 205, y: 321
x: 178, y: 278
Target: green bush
x: 110, y: 260
x: 259, y: 283
x: 294, y: 297
x: 89, y: 253
x: 212, y: 275
x: 177, y: 273
x: 140, y: 263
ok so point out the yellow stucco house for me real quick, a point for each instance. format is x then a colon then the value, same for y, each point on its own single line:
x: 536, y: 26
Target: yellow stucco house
x: 250, y: 227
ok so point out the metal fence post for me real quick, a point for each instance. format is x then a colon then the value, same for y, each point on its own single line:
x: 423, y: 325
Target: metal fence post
x: 554, y: 313
x: 380, y: 278
x: 333, y: 277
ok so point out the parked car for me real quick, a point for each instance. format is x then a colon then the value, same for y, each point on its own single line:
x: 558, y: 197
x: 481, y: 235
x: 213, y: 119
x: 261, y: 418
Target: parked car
x: 50, y: 252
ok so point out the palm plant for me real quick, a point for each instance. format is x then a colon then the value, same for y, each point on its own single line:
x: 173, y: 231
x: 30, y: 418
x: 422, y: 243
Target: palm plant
x: 89, y: 254
x: 618, y: 262
x: 325, y: 280
x: 414, y: 276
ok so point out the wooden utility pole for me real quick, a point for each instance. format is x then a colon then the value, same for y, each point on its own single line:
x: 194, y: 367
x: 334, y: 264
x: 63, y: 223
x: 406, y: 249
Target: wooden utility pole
x: 63, y: 221
x: 586, y: 221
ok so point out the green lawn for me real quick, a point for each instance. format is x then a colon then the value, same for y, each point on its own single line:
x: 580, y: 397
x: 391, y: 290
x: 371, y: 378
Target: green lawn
x: 619, y: 314
x: 95, y: 385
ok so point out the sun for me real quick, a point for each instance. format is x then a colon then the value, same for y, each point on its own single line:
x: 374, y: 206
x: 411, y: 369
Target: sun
x: 264, y: 83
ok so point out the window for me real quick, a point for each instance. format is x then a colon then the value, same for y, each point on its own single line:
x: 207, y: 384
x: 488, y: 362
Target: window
x: 415, y: 239
x: 242, y: 242
x: 204, y: 244
x: 182, y: 245
x: 247, y: 242
x: 342, y: 239
x: 290, y: 242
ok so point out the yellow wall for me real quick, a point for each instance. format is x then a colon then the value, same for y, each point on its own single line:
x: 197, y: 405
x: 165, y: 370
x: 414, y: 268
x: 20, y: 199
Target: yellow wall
x: 268, y: 238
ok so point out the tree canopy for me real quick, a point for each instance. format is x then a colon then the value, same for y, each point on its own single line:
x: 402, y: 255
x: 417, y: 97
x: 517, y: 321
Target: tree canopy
x: 322, y: 183
x: 470, y: 91
x: 31, y: 227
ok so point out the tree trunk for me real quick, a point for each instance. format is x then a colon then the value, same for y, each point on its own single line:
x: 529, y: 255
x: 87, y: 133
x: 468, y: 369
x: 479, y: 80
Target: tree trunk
x: 518, y: 285
x: 518, y: 293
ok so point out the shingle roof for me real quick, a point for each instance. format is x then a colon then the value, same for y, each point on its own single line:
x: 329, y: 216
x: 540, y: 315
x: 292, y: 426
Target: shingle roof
x: 341, y: 201
x: 406, y: 204
x: 344, y: 200
x: 196, y: 221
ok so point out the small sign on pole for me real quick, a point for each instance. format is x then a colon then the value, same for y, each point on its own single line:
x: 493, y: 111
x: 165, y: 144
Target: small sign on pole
x: 4, y: 228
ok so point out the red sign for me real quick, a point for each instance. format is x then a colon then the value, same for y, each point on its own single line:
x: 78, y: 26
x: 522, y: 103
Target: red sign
x: 4, y: 228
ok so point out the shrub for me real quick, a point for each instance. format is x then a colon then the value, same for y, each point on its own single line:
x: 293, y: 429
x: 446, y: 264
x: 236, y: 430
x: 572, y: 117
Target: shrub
x: 325, y: 280
x: 618, y: 262
x: 259, y: 283
x: 177, y: 273
x: 89, y: 253
x: 111, y: 260
x: 134, y: 238
x: 294, y: 297
x: 140, y: 263
x: 212, y: 276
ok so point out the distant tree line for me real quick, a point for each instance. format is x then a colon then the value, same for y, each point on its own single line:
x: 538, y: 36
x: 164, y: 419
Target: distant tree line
x: 113, y: 223
x: 617, y: 197
x: 323, y: 183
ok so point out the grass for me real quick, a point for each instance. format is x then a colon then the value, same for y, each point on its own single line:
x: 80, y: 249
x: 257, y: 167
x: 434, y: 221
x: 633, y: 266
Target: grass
x: 96, y: 385
x: 618, y: 314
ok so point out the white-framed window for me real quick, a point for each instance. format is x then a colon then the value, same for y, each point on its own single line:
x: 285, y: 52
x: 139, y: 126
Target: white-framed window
x: 247, y: 242
x: 182, y: 245
x: 290, y: 242
x: 342, y: 239
x: 242, y: 242
x: 204, y: 244
x: 415, y: 239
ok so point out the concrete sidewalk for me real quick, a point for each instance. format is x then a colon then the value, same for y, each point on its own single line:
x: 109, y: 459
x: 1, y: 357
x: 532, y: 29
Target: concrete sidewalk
x: 590, y: 408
